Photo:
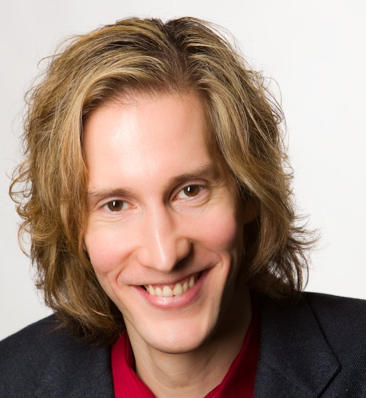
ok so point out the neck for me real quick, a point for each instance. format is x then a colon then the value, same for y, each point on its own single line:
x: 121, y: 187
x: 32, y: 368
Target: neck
x: 195, y: 373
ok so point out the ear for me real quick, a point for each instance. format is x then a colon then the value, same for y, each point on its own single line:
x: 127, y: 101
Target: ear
x: 250, y: 208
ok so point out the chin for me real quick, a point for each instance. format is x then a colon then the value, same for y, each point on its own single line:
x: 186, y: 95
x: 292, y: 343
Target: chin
x: 175, y: 336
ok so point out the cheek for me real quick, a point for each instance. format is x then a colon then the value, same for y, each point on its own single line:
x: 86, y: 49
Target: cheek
x: 105, y: 253
x: 223, y: 233
x: 104, y: 250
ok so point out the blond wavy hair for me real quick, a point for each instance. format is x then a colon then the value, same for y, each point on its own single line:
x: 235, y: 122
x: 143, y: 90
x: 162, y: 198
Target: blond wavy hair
x: 149, y: 56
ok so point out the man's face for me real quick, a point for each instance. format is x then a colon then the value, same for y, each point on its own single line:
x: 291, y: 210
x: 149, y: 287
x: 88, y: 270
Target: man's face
x: 165, y: 225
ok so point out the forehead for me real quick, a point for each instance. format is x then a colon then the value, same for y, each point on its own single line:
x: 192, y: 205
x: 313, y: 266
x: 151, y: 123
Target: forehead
x: 148, y: 136
x: 144, y: 110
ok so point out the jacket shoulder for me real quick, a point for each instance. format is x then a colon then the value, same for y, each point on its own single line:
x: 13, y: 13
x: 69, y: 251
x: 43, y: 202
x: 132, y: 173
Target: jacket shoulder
x: 315, y: 347
x: 348, y: 315
x: 26, y: 354
x: 45, y: 360
x: 343, y: 322
x: 22, y: 351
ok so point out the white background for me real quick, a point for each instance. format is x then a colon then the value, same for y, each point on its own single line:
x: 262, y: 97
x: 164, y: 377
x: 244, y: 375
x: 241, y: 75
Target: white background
x: 315, y: 50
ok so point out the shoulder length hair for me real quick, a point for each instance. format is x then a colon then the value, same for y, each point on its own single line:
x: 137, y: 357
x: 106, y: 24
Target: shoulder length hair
x: 147, y: 55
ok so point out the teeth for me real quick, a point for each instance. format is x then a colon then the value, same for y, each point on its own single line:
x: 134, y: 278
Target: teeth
x: 166, y: 291
x: 177, y: 289
x: 151, y: 290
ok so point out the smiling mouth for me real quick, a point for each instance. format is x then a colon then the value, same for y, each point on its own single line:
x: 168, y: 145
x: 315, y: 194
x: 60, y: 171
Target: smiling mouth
x: 173, y: 290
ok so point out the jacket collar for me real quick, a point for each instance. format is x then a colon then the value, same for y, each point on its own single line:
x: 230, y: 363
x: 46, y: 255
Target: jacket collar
x: 295, y: 359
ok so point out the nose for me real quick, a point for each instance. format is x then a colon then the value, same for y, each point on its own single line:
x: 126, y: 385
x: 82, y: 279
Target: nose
x: 164, y: 243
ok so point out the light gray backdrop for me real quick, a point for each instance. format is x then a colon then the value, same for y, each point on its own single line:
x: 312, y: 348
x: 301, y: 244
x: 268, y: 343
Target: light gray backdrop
x: 316, y: 52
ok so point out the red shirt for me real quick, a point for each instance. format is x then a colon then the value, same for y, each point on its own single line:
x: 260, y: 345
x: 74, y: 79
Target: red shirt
x: 238, y: 382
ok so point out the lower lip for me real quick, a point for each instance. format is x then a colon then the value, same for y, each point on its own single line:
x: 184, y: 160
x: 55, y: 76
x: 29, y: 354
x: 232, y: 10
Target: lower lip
x: 182, y: 300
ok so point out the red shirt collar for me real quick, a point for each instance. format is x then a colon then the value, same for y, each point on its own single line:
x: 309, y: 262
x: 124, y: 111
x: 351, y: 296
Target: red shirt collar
x: 238, y: 382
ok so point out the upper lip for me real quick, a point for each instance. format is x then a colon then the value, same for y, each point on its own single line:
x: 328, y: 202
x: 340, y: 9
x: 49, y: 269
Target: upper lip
x: 173, y: 281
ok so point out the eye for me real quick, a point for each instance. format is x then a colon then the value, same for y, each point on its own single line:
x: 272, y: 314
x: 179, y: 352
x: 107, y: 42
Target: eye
x: 115, y: 205
x: 190, y: 191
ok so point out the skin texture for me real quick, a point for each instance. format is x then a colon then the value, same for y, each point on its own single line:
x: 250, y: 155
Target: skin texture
x: 161, y: 209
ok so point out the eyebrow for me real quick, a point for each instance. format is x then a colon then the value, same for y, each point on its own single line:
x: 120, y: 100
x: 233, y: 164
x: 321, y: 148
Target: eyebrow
x: 95, y: 193
x: 207, y: 171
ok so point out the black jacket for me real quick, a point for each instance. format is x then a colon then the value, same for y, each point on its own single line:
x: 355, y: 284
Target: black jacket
x: 315, y: 349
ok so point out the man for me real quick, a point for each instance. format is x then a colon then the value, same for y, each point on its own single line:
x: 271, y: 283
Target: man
x: 156, y: 196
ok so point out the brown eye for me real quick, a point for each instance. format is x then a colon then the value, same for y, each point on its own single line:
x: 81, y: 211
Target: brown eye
x: 115, y: 205
x: 192, y: 190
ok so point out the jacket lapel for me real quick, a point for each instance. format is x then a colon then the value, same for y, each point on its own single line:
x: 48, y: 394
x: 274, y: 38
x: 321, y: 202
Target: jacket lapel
x: 295, y: 359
